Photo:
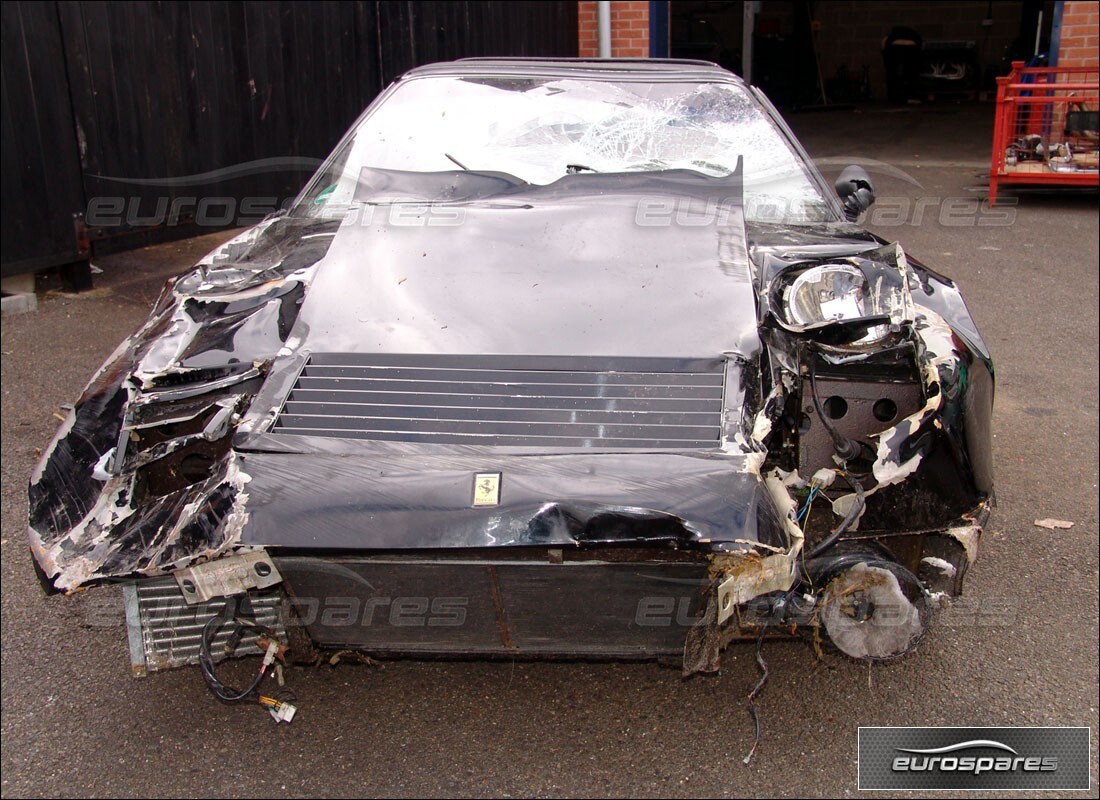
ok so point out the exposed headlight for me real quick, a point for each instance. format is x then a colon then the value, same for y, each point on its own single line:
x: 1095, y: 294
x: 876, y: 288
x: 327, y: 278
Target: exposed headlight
x: 824, y: 294
x: 855, y: 300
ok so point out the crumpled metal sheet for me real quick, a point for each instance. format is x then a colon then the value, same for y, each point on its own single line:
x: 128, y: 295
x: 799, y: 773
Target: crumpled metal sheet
x: 174, y: 388
x: 564, y: 269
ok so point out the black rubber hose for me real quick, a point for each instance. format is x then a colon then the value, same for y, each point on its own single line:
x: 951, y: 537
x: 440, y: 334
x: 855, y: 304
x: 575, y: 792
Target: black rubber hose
x: 845, y: 448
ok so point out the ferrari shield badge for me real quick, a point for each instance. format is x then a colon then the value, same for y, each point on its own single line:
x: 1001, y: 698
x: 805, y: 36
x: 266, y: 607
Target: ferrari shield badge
x: 486, y: 489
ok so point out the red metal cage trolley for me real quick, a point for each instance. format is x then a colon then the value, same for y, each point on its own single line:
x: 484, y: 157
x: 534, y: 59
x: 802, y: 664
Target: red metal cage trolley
x: 1046, y: 130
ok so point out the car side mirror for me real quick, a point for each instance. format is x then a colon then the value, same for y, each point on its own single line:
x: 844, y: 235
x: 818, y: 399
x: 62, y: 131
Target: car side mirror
x: 855, y: 190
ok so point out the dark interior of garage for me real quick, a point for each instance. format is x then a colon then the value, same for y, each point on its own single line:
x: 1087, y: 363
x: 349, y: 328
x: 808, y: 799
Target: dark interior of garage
x: 807, y: 54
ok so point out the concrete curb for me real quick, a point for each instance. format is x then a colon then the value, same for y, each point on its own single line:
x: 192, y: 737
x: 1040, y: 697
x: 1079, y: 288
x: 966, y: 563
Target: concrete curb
x: 20, y: 303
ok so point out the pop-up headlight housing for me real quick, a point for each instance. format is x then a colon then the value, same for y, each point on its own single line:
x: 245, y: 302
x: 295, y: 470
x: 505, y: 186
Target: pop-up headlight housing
x: 855, y: 300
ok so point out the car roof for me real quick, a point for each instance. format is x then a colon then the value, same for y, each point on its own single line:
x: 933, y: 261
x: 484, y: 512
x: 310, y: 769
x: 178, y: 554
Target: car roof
x: 663, y: 69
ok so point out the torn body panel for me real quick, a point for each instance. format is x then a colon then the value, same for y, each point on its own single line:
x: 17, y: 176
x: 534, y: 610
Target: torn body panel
x: 141, y: 478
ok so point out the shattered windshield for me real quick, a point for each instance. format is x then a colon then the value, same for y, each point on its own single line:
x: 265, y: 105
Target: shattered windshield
x: 540, y: 129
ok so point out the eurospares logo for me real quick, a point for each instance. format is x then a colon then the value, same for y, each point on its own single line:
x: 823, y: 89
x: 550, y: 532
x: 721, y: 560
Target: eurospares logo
x: 974, y: 758
x: 953, y: 758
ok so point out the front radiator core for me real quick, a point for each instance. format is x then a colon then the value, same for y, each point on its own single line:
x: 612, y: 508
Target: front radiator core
x: 164, y: 631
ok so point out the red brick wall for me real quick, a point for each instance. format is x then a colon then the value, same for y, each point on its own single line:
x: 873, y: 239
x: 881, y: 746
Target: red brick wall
x: 1079, y: 44
x: 629, y: 29
x: 588, y: 30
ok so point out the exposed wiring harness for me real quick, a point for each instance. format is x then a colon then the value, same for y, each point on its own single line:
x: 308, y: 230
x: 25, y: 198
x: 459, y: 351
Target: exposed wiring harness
x: 803, y: 516
x: 756, y: 690
x: 849, y: 518
x: 280, y: 710
x: 846, y: 449
x: 266, y: 639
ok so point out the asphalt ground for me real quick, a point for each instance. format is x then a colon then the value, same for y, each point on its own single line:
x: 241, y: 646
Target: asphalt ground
x: 1020, y: 648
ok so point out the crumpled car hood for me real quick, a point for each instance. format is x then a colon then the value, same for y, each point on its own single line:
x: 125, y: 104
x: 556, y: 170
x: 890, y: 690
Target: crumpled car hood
x: 623, y: 269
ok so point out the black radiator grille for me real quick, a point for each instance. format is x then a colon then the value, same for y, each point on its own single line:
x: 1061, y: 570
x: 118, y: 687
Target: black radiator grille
x: 508, y: 400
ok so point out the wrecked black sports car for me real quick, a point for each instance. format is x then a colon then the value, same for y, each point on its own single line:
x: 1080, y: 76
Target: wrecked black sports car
x: 550, y: 359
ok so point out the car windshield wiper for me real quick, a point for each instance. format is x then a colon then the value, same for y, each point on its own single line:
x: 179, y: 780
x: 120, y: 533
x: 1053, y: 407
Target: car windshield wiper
x: 454, y: 160
x: 379, y: 185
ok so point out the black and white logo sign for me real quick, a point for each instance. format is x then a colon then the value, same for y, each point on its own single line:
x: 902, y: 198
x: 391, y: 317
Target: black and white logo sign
x: 974, y: 758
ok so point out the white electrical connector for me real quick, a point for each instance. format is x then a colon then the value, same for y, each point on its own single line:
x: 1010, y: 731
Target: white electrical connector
x: 269, y: 656
x: 284, y: 712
